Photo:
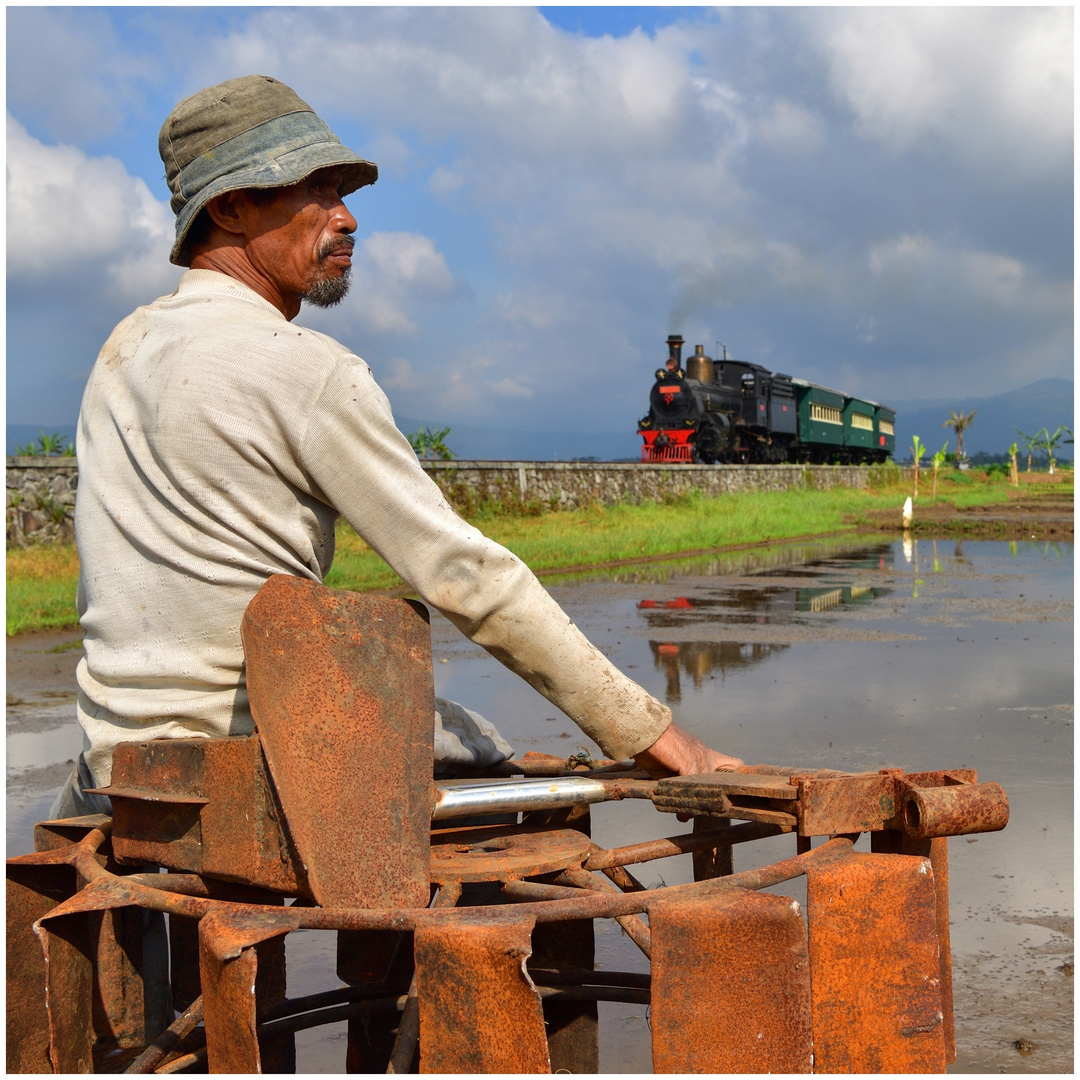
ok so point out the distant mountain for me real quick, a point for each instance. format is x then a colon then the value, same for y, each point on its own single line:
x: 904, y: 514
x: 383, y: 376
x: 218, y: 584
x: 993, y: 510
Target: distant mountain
x: 1047, y: 403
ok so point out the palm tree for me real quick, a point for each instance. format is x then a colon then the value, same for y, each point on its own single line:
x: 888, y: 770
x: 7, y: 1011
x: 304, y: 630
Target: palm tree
x: 959, y: 422
x: 1031, y: 443
x: 1014, y: 472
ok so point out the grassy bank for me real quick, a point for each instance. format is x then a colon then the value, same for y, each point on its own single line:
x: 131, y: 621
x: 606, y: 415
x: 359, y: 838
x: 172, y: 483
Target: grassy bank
x: 41, y: 583
x: 604, y: 534
x: 41, y: 580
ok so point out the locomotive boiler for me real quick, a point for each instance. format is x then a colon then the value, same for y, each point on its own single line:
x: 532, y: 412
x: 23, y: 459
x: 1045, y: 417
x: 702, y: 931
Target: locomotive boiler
x: 729, y: 411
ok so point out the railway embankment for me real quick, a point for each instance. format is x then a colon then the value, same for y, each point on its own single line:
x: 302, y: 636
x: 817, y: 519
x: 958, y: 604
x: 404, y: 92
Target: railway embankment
x: 41, y: 491
x: 568, y: 485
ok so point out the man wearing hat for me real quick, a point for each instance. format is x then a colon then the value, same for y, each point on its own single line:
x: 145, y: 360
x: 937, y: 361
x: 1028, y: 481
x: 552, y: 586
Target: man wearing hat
x: 218, y: 443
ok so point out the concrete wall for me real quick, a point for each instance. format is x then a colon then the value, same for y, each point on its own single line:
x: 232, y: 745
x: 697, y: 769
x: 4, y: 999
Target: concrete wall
x: 41, y: 491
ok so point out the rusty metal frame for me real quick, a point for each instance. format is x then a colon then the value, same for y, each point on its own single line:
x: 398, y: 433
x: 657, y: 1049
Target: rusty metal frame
x: 468, y: 948
x: 240, y: 1024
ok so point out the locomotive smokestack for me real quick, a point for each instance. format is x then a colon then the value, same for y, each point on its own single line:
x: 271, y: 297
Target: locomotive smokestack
x: 674, y: 344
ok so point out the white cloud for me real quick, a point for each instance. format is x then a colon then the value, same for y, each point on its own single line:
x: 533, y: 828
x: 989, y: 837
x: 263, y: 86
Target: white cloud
x: 789, y: 127
x: 502, y: 77
x: 66, y: 210
x: 394, y: 273
x: 763, y: 176
x: 866, y: 329
x: 397, y: 374
x: 444, y: 181
x: 408, y: 261
x: 983, y: 82
x: 476, y: 380
x: 510, y: 388
x: 390, y: 152
x: 98, y: 83
x: 528, y: 309
x: 918, y: 266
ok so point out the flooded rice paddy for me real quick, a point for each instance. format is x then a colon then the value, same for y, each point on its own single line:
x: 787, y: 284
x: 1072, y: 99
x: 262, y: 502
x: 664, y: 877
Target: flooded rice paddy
x: 846, y: 655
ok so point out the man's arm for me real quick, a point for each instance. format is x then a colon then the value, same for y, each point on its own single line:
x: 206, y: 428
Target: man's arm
x: 366, y: 468
x: 679, y: 753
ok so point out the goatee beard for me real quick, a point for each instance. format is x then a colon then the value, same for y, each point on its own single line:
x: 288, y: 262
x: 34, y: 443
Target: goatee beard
x: 328, y: 291
x: 331, y: 290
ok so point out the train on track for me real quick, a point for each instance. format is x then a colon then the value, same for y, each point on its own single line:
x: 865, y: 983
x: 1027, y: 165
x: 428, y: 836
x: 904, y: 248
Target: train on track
x: 731, y: 412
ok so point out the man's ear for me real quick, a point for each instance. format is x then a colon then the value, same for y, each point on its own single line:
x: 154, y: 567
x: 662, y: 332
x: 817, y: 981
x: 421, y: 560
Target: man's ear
x: 225, y: 212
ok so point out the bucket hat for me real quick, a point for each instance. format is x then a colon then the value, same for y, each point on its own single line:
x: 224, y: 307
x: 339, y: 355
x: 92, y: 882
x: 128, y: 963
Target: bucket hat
x: 251, y: 132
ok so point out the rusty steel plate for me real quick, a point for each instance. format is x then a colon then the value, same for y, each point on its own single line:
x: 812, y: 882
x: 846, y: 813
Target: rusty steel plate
x: 32, y: 892
x: 479, y: 1009
x: 937, y: 851
x: 730, y: 985
x: 206, y: 806
x: 229, y: 968
x: 874, y: 953
x: 342, y: 695
x: 857, y: 803
x: 504, y: 852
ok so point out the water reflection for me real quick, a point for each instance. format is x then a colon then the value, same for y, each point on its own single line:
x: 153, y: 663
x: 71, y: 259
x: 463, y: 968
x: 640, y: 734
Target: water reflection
x: 700, y: 659
x: 742, y: 603
x: 800, y: 558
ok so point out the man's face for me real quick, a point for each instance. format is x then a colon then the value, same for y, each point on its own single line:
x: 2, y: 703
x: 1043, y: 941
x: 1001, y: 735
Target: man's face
x: 303, y: 243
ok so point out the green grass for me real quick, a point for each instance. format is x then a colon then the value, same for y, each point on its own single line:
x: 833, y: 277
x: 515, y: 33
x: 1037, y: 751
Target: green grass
x: 41, y: 580
x: 604, y: 534
x: 41, y: 584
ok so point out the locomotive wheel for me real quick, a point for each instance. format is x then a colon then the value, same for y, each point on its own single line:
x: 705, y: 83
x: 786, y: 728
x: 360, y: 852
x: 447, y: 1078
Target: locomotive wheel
x: 711, y: 442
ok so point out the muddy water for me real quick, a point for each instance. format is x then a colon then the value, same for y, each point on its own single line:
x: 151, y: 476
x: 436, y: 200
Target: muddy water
x: 853, y: 656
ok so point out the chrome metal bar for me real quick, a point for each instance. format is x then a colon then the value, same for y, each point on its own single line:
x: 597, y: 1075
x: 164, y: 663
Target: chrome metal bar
x: 453, y: 800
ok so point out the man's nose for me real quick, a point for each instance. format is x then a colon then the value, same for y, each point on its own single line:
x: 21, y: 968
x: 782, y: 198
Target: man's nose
x: 341, y: 220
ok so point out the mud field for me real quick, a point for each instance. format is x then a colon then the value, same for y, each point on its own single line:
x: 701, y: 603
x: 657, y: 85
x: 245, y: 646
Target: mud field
x: 853, y: 654
x: 1037, y: 511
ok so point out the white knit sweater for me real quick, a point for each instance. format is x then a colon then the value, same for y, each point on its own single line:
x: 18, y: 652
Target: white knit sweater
x: 217, y: 445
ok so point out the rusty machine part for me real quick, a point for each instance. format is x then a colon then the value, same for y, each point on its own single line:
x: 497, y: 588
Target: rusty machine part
x: 468, y: 947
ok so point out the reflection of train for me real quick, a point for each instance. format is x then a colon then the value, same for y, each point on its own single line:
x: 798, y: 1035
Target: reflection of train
x: 730, y: 411
x: 735, y: 607
x: 757, y: 606
x: 699, y: 659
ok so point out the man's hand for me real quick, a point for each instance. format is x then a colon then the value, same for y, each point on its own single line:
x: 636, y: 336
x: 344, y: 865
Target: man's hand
x: 679, y: 753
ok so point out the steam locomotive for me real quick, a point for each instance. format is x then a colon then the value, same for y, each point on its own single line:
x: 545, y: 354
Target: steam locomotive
x: 731, y: 412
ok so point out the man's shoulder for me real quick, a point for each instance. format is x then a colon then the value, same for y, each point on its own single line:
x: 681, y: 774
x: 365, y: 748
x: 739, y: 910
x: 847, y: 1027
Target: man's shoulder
x: 332, y: 347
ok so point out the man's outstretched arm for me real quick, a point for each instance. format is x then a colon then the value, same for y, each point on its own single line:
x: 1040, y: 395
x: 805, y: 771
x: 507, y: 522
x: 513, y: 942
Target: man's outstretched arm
x: 679, y: 753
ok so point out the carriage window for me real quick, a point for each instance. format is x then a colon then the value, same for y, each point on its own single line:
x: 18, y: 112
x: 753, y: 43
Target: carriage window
x: 826, y: 414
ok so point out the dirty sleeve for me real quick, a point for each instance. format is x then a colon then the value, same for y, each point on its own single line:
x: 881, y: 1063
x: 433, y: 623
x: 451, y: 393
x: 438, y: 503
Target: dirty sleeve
x: 366, y: 468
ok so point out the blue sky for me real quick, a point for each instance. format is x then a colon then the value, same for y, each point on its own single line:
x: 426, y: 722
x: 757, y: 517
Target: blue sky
x: 878, y: 199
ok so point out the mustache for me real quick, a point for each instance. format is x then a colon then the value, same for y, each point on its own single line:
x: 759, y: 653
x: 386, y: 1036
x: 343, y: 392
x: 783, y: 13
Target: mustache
x: 341, y: 245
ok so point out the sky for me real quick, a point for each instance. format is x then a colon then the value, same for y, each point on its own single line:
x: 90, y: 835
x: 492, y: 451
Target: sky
x: 877, y: 199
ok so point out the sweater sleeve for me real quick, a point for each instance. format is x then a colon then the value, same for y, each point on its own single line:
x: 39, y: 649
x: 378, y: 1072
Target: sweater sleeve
x: 366, y: 469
